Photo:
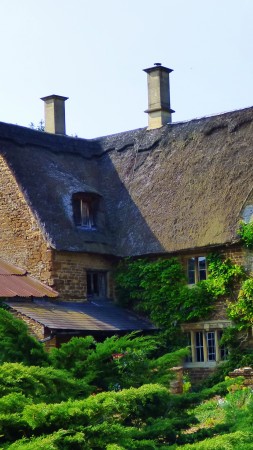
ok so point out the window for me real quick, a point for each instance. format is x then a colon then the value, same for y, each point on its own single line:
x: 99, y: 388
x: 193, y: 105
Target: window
x: 210, y: 344
x: 205, y: 347
x: 223, y: 349
x: 196, y: 269
x: 199, y: 346
x: 84, y: 210
x: 96, y: 284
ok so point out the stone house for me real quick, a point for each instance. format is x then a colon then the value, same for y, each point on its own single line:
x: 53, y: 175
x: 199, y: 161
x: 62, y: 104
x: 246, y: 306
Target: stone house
x: 70, y: 208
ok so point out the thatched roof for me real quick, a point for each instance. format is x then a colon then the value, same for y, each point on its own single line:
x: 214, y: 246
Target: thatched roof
x: 179, y: 187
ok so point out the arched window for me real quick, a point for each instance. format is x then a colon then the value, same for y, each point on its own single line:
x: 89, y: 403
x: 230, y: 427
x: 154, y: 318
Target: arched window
x: 84, y: 209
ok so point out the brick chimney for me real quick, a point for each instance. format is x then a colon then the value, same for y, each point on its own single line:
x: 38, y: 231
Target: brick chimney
x: 54, y: 106
x: 159, y: 111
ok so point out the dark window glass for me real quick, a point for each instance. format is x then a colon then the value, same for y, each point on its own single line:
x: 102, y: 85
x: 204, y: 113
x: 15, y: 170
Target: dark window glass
x: 199, y: 346
x: 223, y: 349
x: 96, y: 284
x: 188, y: 340
x: 191, y: 271
x: 210, y: 341
x: 196, y: 269
x: 83, y: 211
x: 201, y: 268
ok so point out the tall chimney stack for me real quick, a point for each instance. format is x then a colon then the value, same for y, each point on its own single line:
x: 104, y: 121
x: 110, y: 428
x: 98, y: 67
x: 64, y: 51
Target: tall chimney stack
x: 54, y: 106
x: 159, y: 111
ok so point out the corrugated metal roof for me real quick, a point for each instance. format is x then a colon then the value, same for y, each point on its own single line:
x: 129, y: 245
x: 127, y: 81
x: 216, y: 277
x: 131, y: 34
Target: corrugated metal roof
x: 14, y: 282
x: 9, y: 269
x: 89, y: 316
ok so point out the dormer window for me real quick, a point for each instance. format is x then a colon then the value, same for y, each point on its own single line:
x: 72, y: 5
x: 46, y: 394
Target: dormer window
x: 84, y: 210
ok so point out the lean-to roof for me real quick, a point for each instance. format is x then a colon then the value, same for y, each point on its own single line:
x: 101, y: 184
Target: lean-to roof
x: 89, y: 316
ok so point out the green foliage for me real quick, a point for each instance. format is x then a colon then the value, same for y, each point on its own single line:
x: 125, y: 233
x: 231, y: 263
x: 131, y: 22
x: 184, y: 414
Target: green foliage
x: 39, y: 383
x: 232, y: 441
x: 51, y: 407
x: 114, y: 394
x: 132, y: 418
x: 117, y: 362
x: 16, y: 344
x: 241, y: 312
x: 158, y: 288
x: 222, y: 275
x: 246, y: 234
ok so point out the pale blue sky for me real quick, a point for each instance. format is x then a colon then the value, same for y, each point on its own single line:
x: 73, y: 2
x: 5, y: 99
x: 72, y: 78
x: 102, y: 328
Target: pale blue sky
x: 94, y: 51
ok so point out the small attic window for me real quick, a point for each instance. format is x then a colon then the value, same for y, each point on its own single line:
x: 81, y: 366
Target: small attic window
x: 84, y: 210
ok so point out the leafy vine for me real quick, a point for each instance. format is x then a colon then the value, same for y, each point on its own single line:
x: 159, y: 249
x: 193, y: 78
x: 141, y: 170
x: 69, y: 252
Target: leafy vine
x: 159, y: 290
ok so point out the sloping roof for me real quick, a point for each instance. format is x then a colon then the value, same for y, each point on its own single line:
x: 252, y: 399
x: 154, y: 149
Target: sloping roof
x: 88, y: 317
x: 14, y: 282
x: 179, y: 187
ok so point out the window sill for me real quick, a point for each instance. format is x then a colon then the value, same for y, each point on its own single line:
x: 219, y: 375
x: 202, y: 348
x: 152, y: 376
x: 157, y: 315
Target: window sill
x: 206, y: 364
x: 82, y: 228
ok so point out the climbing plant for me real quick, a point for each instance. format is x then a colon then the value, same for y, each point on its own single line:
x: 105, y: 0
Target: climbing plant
x: 245, y: 232
x: 241, y: 311
x: 159, y: 290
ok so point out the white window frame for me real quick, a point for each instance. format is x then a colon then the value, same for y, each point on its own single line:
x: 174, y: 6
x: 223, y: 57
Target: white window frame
x: 204, y: 338
x: 196, y: 270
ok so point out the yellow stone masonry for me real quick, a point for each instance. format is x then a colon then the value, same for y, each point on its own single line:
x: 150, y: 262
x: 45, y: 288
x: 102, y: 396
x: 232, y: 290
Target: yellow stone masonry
x: 21, y: 240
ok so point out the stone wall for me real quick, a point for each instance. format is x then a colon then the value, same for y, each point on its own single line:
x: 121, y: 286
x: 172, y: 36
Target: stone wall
x: 36, y: 330
x: 21, y: 240
x: 176, y: 385
x: 246, y: 372
x: 22, y: 243
x: 236, y: 253
x: 69, y: 273
x: 198, y: 374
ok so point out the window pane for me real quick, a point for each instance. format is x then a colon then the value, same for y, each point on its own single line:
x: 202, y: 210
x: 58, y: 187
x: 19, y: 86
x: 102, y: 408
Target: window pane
x: 223, y: 349
x: 86, y: 212
x: 83, y: 210
x: 210, y: 340
x: 96, y: 284
x: 191, y: 270
x: 199, y: 346
x: 201, y: 268
x: 188, y: 340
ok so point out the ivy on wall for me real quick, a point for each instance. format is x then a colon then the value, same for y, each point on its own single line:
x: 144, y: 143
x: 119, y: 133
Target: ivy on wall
x: 245, y: 232
x: 241, y: 310
x: 159, y: 290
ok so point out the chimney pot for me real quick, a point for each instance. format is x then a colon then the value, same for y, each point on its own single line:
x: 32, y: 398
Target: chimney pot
x: 54, y: 107
x: 159, y: 111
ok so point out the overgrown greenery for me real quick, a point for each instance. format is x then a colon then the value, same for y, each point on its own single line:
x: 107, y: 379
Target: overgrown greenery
x: 245, y: 232
x: 114, y: 395
x: 16, y: 344
x: 158, y: 289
